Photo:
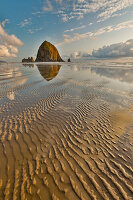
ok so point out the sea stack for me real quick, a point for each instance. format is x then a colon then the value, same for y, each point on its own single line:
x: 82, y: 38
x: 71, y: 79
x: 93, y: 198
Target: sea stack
x: 48, y: 53
x: 29, y: 59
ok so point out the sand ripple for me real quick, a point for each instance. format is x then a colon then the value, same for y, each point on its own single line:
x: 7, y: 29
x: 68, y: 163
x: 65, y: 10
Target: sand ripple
x: 65, y: 140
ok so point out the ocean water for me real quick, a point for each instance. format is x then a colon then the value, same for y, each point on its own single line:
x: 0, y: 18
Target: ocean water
x: 66, y: 130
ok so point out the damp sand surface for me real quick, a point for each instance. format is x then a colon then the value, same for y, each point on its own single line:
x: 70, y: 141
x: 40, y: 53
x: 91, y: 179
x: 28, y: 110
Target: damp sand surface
x: 66, y: 131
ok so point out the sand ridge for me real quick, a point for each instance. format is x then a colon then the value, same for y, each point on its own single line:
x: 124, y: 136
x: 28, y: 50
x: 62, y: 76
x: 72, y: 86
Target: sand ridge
x: 69, y: 141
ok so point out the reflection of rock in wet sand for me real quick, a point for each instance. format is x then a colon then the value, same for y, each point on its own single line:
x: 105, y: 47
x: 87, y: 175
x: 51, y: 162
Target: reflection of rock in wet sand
x: 28, y: 65
x: 48, y: 71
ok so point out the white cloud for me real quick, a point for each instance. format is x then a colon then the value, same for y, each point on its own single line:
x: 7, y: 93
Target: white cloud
x: 8, y: 43
x: 76, y: 55
x: 7, y: 51
x: 25, y: 22
x: 9, y: 39
x: 36, y: 13
x: 115, y: 50
x: 64, y: 18
x: 103, y: 9
x: 113, y: 7
x: 123, y: 49
x: 49, y: 6
x: 73, y: 29
x: 92, y: 35
x: 3, y: 23
x: 31, y: 31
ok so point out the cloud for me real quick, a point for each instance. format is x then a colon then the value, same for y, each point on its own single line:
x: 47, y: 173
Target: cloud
x: 9, y: 39
x: 93, y: 35
x: 36, y: 13
x: 25, y: 22
x: 124, y: 49
x: 112, y: 7
x: 3, y: 23
x: 31, y: 31
x: 6, y: 51
x: 64, y: 18
x: 118, y: 50
x: 49, y: 6
x: 73, y: 29
x: 78, y: 55
x: 8, y: 43
x: 58, y: 1
x: 103, y: 9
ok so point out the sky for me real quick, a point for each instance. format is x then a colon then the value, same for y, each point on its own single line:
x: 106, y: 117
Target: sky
x: 78, y: 28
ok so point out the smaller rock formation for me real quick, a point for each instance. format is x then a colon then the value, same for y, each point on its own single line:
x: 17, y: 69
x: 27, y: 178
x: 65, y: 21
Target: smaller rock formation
x: 29, y: 59
x: 69, y: 60
x: 48, y: 53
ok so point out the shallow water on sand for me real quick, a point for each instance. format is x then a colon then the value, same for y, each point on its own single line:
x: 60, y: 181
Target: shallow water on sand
x: 66, y: 131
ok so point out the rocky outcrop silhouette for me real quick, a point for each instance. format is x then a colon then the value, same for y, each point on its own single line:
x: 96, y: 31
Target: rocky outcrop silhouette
x: 48, y: 53
x: 29, y: 59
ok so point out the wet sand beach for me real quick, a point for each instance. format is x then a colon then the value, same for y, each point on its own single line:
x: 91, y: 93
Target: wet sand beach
x: 66, y: 131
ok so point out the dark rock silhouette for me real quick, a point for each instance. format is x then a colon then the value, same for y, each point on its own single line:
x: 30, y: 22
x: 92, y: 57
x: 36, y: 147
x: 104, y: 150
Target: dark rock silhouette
x: 48, y: 72
x: 48, y: 53
x: 69, y: 60
x: 28, y: 65
x: 29, y: 59
x: 2, y: 61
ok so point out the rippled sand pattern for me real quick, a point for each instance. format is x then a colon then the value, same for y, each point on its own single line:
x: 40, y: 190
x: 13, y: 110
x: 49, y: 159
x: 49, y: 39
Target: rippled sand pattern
x: 68, y: 138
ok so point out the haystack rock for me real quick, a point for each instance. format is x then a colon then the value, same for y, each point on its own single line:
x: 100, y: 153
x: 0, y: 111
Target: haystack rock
x: 48, y: 53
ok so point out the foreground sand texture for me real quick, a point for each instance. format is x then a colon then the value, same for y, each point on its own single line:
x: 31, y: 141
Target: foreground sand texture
x: 67, y: 138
